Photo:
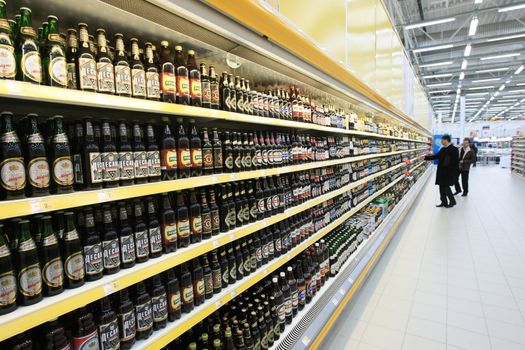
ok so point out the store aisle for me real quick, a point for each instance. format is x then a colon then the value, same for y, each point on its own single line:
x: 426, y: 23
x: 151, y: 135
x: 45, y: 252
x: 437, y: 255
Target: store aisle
x: 450, y: 279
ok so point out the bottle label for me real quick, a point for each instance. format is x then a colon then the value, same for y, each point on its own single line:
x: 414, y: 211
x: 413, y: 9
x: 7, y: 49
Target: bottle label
x: 196, y: 225
x: 175, y: 302
x: 57, y: 71
x: 93, y: 259
x: 183, y: 85
x: 144, y: 316
x: 185, y: 158
x: 278, y: 245
x: 168, y: 159
x: 122, y: 80
x: 109, y: 336
x: 187, y: 295
x: 111, y: 253
x: 86, y: 342
x: 225, y: 277
x: 127, y: 325
x: 155, y: 240
x: 261, y: 204
x: 206, y: 223
x: 106, y: 77
x: 127, y: 249
x: 30, y: 280
x: 301, y: 294
x: 168, y: 83
x: 228, y: 162
x: 247, y: 160
x: 26, y: 245
x: 200, y: 288
x: 12, y: 174
x: 215, y: 220
x: 38, y: 172
x: 196, y: 157
x: 206, y: 92
x: 153, y: 158
x: 247, y: 264
x: 207, y: 158
x: 259, y: 254
x: 208, y: 283
x: 7, y: 59
x: 77, y: 169
x: 138, y: 82
x: 49, y: 240
x: 215, y: 95
x: 217, y: 158
x: 183, y: 229
x: 159, y: 305
x: 142, y: 244
x: 238, y: 164
x: 74, y: 266
x: 125, y: 164
x: 233, y: 272
x: 195, y: 89
x: 152, y: 85
x: 7, y: 288
x: 4, y: 251
x: 254, y: 210
x: 63, y: 171
x: 169, y: 233
x: 71, y: 76
x: 96, y: 167
x: 110, y: 161
x: 275, y: 201
x: 288, y: 306
x: 140, y: 159
x: 216, y: 278
x: 31, y: 65
x: 87, y: 73
x: 53, y: 273
x: 231, y: 218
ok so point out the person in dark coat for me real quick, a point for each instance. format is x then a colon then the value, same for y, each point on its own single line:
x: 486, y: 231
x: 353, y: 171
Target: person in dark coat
x: 446, y: 175
x: 466, y: 158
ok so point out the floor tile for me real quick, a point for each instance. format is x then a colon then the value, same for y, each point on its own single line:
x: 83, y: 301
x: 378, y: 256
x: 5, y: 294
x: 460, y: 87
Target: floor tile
x: 428, y: 312
x: 466, y: 321
x: 506, y: 331
x: 413, y: 342
x: 466, y: 339
x: 383, y: 337
x: 427, y: 329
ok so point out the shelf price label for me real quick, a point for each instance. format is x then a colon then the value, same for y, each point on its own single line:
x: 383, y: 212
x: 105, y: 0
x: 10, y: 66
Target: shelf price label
x: 39, y: 206
x: 111, y: 287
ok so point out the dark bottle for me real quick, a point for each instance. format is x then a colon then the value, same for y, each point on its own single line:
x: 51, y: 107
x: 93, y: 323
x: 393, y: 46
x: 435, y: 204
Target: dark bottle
x: 143, y: 311
x: 7, y: 276
x: 183, y: 222
x: 141, y: 234
x: 232, y: 215
x: 29, y: 274
x: 38, y: 175
x: 237, y: 152
x: 207, y: 276
x: 92, y: 161
x: 261, y: 200
x: 92, y: 249
x: 225, y: 268
x: 205, y: 85
x: 232, y: 264
x: 194, y: 75
x: 71, y: 59
x: 8, y: 70
x: 181, y: 73
x: 186, y: 288
x: 228, y: 153
x: 252, y: 202
x: 233, y: 94
x: 153, y: 86
x: 13, y: 179
x: 228, y: 340
x: 216, y: 272
x: 270, y: 327
x: 225, y: 93
x: 71, y: 250
x: 308, y: 292
x: 257, y: 158
x: 292, y: 283
x: 140, y: 157
x: 168, y: 154
x: 126, y: 239
x: 152, y: 155
x: 85, y: 332
x: 247, y: 267
x: 108, y: 328
x: 195, y: 218
x: 109, y: 157
x: 199, y: 289
x: 154, y: 232
x: 173, y: 295
x: 285, y: 288
x: 168, y: 85
x: 247, y: 96
x: 54, y: 59
x: 54, y: 336
x: 195, y: 151
x: 138, y: 74
x: 27, y: 50
x: 239, y: 96
x: 214, y: 89
x: 110, y: 244
x: 123, y: 83
x: 159, y: 303
x: 279, y: 303
x: 215, y: 214
x: 60, y: 159
x: 206, y: 215
x: 217, y: 152
x: 105, y: 69
x: 168, y: 225
x: 127, y: 321
x: 125, y: 155
x: 78, y: 150
x: 207, y: 153
x: 183, y: 152
x: 86, y: 70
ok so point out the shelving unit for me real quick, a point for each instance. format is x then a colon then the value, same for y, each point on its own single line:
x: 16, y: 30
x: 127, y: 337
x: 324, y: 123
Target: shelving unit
x: 517, y: 159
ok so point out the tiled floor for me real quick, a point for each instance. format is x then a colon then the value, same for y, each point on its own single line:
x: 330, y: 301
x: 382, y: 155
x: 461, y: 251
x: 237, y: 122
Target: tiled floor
x: 450, y: 279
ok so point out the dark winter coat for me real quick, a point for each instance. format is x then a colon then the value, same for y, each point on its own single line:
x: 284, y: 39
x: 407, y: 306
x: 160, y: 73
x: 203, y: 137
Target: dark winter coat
x: 448, y: 163
x: 468, y: 159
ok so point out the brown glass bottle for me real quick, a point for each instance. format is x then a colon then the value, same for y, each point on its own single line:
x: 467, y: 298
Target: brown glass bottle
x: 27, y: 50
x: 195, y: 218
x: 138, y: 74
x: 35, y: 155
x: 183, y: 152
x: 54, y: 60
x: 181, y: 74
x: 207, y: 153
x: 91, y: 158
x: 159, y: 303
x: 183, y: 221
x: 29, y: 279
x: 228, y: 153
x: 194, y: 76
x: 123, y: 84
x: 110, y: 244
x: 152, y: 154
x: 217, y: 152
x: 215, y: 216
x: 125, y: 155
x: 208, y: 277
x: 13, y: 180
x: 141, y: 233
x: 173, y: 295
x: 154, y: 231
x: 52, y: 268
x: 127, y: 321
x: 206, y: 86
x: 71, y: 58
x: 225, y: 93
x: 93, y: 264
x: 239, y: 95
x: 168, y: 154
x: 206, y: 216
x: 143, y: 312
x: 60, y: 159
x: 108, y: 328
x: 140, y: 158
x: 86, y: 69
x: 7, y: 277
x: 187, y: 290
x: 153, y: 87
x: 167, y: 73
x: 168, y: 225
x: 195, y: 151
x: 109, y: 157
x: 233, y: 94
x: 105, y: 69
x: 215, y: 99
x: 85, y: 332
x: 126, y: 238
x: 216, y: 272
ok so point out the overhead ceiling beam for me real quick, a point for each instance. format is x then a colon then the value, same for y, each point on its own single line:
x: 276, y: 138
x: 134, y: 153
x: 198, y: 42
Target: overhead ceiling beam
x: 481, y: 41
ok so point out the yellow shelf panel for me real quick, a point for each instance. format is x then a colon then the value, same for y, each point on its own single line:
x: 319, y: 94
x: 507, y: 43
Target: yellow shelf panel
x: 28, y: 206
x: 31, y: 92
x: 25, y: 318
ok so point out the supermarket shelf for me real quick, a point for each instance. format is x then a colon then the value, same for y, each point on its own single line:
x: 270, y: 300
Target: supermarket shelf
x: 28, y: 206
x: 30, y: 92
x: 300, y: 333
x: 25, y: 318
x: 179, y: 327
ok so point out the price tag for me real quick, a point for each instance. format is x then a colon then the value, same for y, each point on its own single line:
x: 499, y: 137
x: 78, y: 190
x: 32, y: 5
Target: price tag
x: 233, y: 177
x: 265, y: 272
x: 215, y: 244
x: 111, y: 287
x: 214, y: 179
x: 104, y: 197
x: 233, y: 293
x: 218, y: 304
x: 335, y: 301
x: 306, y: 340
x: 341, y: 291
x: 232, y: 237
x: 39, y: 206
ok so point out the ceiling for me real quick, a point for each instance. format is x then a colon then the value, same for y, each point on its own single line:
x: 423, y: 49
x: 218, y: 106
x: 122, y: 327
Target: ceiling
x: 490, y: 76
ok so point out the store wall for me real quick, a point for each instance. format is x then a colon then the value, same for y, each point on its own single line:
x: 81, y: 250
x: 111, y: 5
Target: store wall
x: 486, y: 129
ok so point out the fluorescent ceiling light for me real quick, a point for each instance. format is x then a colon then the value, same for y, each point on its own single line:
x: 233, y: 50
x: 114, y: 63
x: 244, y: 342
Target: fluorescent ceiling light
x: 500, y: 56
x: 477, y: 93
x: 446, y: 63
x: 511, y: 8
x: 520, y: 84
x: 476, y: 2
x: 475, y: 99
x: 508, y: 37
x: 439, y: 84
x: 514, y: 91
x: 502, y: 87
x: 496, y: 94
x: 468, y: 48
x: 481, y: 87
x: 440, y: 91
x: 464, y: 64
x: 485, y: 80
x: 518, y: 71
x: 430, y: 23
x: 492, y: 70
x: 509, y: 100
x: 462, y: 76
x: 473, y: 26
x: 437, y: 76
x: 433, y: 48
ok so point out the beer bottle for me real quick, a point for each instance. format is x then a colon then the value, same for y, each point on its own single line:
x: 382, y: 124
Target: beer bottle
x: 183, y: 152
x: 72, y: 256
x: 85, y: 333
x: 71, y: 58
x: 7, y: 277
x: 92, y: 46
x: 195, y: 88
x: 232, y: 214
x: 237, y: 152
x: 247, y: 155
x: 125, y: 156
x: 109, y: 157
x: 126, y: 239
x: 28, y: 267
x: 152, y: 154
x: 108, y: 328
x: 233, y: 94
x: 196, y: 151
x: 152, y: 74
x: 195, y: 218
x: 217, y: 151
x: 143, y: 311
x: 127, y: 321
x: 92, y: 249
x: 206, y: 86
x: 252, y: 202
x: 215, y: 216
x: 13, y: 25
x: 207, y: 153
x: 105, y: 69
x: 13, y: 177
x: 54, y: 59
x: 199, y: 289
x: 123, y: 83
x: 35, y: 155
x: 247, y: 260
x: 60, y: 158
x: 239, y: 96
x: 216, y: 272
x: 173, y: 295
x: 110, y: 244
x: 232, y: 264
x: 168, y: 85
x: 92, y: 162
x: 183, y: 84
x: 169, y: 225
x: 257, y: 159
x: 215, y: 98
x: 27, y: 50
x: 239, y: 261
x: 52, y: 270
x: 228, y: 153
x: 187, y: 288
x: 7, y: 60
x: 86, y: 70
x: 78, y: 150
x: 159, y: 303
x: 261, y: 200
x: 239, y: 208
x: 225, y: 93
x: 154, y: 235
x: 206, y: 216
x: 247, y: 96
x: 141, y: 233
x: 225, y: 267
x: 183, y: 222
x: 140, y: 159
x: 168, y: 154
x: 138, y: 75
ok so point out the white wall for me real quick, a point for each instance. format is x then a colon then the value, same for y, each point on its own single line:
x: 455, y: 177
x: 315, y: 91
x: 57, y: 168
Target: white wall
x: 475, y: 129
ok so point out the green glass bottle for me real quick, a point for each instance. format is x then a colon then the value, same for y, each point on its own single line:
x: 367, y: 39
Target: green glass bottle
x: 28, y: 267
x: 7, y: 51
x: 54, y: 59
x: 52, y: 269
x: 7, y: 276
x: 27, y: 54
